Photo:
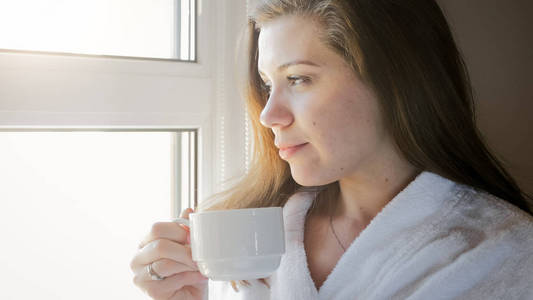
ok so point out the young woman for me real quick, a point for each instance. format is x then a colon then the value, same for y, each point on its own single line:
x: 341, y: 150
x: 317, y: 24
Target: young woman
x: 365, y: 133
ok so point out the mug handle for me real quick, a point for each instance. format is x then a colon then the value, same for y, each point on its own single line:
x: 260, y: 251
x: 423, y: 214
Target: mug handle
x: 182, y: 221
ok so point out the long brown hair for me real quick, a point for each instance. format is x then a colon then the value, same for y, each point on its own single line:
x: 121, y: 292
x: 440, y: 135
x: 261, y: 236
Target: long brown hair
x: 403, y: 50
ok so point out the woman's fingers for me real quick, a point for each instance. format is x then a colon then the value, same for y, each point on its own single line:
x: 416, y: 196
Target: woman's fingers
x: 164, y: 249
x: 164, y: 268
x: 168, y: 230
x: 165, y: 230
x: 164, y: 289
x: 177, y: 281
x: 159, y: 249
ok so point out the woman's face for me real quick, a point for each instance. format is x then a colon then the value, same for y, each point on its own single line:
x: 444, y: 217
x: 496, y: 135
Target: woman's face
x: 318, y: 101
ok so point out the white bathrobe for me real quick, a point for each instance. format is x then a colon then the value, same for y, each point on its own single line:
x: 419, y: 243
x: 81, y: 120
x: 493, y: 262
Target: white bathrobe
x: 435, y: 240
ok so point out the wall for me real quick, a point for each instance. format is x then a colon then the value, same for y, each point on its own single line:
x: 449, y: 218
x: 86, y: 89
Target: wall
x: 496, y: 38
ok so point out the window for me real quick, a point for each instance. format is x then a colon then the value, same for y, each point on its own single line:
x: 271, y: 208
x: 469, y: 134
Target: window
x: 75, y: 204
x: 134, y: 28
x: 43, y: 91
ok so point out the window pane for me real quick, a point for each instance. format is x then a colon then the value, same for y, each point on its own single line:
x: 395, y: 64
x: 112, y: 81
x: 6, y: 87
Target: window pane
x: 74, y: 207
x: 138, y: 28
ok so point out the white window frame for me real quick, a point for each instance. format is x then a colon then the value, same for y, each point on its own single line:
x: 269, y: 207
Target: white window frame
x: 40, y: 91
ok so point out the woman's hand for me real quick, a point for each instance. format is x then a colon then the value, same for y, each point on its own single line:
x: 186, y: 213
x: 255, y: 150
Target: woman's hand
x: 166, y: 247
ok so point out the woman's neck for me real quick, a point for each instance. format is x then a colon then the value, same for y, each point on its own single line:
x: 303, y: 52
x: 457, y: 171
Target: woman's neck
x: 363, y: 195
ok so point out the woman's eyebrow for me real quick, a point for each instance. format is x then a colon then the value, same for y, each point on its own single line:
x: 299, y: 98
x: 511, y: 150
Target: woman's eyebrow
x: 297, y: 62
x: 293, y: 63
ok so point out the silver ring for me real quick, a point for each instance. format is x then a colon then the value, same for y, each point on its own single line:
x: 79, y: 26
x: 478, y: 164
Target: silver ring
x: 153, y: 274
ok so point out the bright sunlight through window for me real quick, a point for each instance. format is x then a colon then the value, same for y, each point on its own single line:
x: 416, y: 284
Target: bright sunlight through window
x: 135, y: 28
x: 74, y: 206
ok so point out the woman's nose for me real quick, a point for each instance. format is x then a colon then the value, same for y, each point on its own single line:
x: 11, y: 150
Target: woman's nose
x: 276, y: 113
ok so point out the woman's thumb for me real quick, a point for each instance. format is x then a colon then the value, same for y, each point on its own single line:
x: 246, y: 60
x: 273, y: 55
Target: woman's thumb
x: 185, y: 213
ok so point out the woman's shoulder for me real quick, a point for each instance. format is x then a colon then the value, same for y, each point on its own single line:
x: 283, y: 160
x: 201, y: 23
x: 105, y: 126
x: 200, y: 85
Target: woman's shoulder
x: 491, y: 224
x: 490, y: 212
x: 488, y: 241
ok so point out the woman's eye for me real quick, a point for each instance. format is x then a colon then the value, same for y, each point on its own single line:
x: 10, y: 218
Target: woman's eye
x: 295, y: 80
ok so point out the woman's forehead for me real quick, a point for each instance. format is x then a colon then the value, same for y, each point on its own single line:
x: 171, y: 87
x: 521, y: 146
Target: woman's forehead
x: 289, y: 39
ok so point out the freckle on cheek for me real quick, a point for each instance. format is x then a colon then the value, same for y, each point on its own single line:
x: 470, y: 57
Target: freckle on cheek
x: 342, y: 169
x: 314, y: 123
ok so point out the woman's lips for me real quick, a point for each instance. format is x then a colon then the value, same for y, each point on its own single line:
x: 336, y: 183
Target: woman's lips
x: 286, y: 153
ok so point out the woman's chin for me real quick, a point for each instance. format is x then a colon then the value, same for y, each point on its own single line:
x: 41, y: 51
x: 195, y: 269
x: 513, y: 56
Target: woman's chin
x: 309, y: 179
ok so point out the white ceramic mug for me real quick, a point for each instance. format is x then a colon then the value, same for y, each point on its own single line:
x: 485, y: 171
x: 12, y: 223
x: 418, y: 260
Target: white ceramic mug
x: 237, y: 244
